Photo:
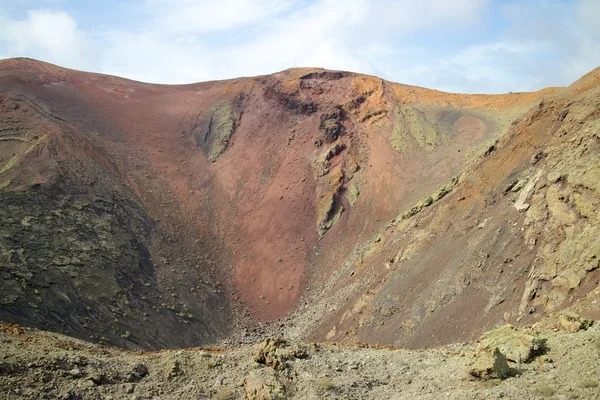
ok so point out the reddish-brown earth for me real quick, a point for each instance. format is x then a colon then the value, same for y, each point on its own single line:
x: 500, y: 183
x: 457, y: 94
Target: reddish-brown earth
x: 280, y: 196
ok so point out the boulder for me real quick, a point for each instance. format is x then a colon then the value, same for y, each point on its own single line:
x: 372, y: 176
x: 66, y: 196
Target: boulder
x: 488, y: 366
x: 572, y: 322
x: 275, y: 353
x: 516, y: 345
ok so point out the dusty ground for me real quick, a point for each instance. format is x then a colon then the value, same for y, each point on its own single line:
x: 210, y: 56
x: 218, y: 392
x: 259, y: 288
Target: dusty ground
x: 41, y: 365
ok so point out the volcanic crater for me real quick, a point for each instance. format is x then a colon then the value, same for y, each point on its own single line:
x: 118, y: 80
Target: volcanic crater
x: 312, y: 204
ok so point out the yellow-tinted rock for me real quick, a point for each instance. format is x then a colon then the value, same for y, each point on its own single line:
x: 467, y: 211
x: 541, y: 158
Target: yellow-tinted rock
x: 515, y: 344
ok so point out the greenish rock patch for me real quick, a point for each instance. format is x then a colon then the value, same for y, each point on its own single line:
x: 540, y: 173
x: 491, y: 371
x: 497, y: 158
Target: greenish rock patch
x: 223, y: 120
x: 515, y: 344
x: 352, y: 194
x: 411, y: 124
x: 429, y: 200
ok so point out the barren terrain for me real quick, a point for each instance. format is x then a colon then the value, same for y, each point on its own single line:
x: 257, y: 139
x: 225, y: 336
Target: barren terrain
x: 319, y: 206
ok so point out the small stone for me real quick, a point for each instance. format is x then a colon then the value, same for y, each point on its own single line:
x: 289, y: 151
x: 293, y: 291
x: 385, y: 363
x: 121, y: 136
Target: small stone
x: 76, y: 373
x: 86, y: 384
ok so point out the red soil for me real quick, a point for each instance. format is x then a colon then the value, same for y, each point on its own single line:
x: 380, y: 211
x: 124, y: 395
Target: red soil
x: 256, y: 206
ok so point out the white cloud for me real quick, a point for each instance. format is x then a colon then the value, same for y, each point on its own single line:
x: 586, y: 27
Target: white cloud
x: 569, y: 30
x: 337, y: 34
x: 390, y: 17
x: 308, y: 37
x: 533, y: 44
x: 546, y: 43
x: 52, y: 36
x: 586, y: 53
x: 148, y: 58
x: 588, y: 12
x: 485, y: 68
x: 210, y: 15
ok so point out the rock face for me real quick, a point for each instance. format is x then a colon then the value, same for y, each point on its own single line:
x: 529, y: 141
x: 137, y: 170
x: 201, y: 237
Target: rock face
x: 222, y: 122
x: 412, y: 125
x: 522, y: 221
x: 319, y: 204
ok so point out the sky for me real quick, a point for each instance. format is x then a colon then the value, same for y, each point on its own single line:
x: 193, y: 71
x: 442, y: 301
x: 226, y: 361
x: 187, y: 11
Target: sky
x: 467, y: 46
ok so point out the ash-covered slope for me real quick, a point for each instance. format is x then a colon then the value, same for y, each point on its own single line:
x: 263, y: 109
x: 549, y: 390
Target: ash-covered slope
x: 165, y: 216
x: 512, y: 238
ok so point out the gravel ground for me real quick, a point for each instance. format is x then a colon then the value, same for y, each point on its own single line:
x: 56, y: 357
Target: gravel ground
x: 43, y: 365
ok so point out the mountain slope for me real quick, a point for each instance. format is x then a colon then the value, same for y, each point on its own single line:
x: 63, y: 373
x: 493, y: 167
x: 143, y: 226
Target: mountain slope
x: 352, y: 207
x: 515, y: 238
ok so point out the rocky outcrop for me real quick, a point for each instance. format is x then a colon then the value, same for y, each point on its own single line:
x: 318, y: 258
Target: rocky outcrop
x: 291, y: 102
x: 331, y: 124
x: 516, y: 345
x: 572, y: 322
x: 497, y: 347
x: 275, y: 353
x: 222, y: 122
x: 488, y: 366
x: 333, y: 170
x: 561, y: 200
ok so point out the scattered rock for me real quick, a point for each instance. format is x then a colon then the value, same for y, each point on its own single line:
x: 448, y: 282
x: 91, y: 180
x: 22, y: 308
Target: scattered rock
x: 174, y: 370
x: 263, y: 385
x: 275, y: 353
x: 521, y: 202
x: 572, y: 322
x: 138, y: 373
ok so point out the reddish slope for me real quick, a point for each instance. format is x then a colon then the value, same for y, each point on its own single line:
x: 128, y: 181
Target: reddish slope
x: 515, y: 240
x: 277, y: 179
